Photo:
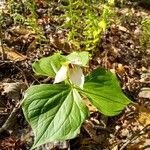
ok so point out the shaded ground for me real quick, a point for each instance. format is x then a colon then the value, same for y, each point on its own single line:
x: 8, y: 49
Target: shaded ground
x: 120, y: 49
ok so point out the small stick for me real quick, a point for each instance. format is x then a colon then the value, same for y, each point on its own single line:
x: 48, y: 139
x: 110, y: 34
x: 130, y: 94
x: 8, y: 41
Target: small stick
x: 10, y: 121
x: 135, y: 136
x: 17, y: 67
x: 1, y: 39
x: 23, y: 74
x: 46, y: 80
x: 2, y: 48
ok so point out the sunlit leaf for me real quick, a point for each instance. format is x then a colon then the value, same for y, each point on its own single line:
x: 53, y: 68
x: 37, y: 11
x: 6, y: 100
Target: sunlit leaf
x: 79, y: 58
x: 103, y: 90
x: 49, y: 66
x: 55, y: 112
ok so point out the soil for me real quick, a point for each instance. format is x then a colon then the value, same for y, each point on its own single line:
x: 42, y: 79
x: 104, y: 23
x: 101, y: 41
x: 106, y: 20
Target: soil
x: 120, y: 50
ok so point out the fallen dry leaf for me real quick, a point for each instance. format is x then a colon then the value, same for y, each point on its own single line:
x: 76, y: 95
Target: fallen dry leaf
x: 14, y: 55
x: 20, y: 30
x: 146, y: 143
x: 123, y: 29
x: 11, y: 143
x: 134, y: 147
x: 89, y: 105
x: 120, y: 69
x: 144, y: 93
x: 13, y: 90
x: 55, y: 145
x: 32, y: 46
x: 144, y: 115
x: 88, y: 126
x: 61, y: 44
x: 115, y: 147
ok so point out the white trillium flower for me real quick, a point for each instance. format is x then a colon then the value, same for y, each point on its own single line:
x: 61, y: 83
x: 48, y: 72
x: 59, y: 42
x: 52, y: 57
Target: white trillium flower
x: 61, y: 74
x: 76, y: 76
x: 73, y: 72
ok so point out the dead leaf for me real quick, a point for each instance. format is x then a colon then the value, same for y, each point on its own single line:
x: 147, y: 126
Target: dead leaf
x: 146, y: 143
x: 89, y: 105
x: 32, y: 46
x: 120, y: 69
x: 144, y: 93
x: 13, y: 90
x: 85, y: 141
x: 134, y: 147
x: 145, y: 77
x: 19, y: 30
x: 89, y: 127
x: 11, y: 143
x: 56, y: 145
x: 121, y: 28
x: 14, y: 55
x: 3, y: 6
x: 115, y: 147
x: 144, y: 115
x: 61, y: 44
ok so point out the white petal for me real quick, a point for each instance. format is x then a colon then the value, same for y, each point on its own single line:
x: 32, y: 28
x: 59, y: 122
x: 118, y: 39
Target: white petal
x: 76, y: 76
x: 61, y: 74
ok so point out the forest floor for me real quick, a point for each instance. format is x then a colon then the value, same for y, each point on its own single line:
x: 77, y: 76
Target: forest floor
x: 120, y: 49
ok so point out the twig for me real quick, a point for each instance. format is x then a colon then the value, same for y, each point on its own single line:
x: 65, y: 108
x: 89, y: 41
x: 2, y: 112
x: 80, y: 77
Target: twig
x: 135, y: 136
x: 23, y: 74
x: 46, y: 80
x: 1, y: 39
x: 35, y: 78
x: 2, y: 48
x: 10, y: 121
x: 18, y: 68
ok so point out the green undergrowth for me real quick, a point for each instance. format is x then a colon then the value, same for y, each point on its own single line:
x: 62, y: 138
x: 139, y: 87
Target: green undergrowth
x: 145, y: 35
x: 87, y: 21
x: 24, y: 13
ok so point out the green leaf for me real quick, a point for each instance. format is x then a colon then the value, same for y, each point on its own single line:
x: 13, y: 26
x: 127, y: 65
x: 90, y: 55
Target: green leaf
x: 111, y: 2
x: 55, y: 112
x: 103, y: 25
x: 103, y: 90
x: 49, y: 66
x: 82, y: 57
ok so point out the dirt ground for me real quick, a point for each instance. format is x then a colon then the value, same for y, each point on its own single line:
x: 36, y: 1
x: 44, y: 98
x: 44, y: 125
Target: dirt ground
x: 120, y: 49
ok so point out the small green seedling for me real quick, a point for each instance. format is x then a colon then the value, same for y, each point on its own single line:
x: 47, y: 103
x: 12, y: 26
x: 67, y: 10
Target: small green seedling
x: 56, y: 111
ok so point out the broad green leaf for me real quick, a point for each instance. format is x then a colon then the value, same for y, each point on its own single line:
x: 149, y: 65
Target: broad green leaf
x: 55, y: 112
x: 79, y: 57
x: 49, y: 66
x: 103, y: 90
